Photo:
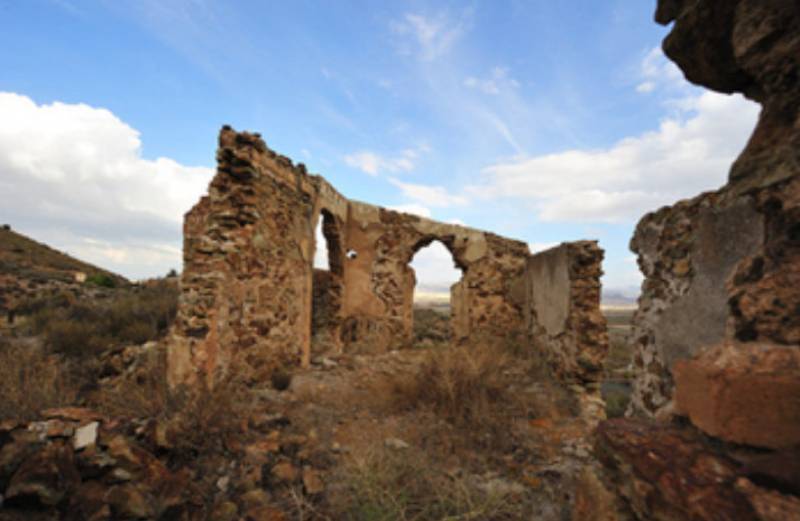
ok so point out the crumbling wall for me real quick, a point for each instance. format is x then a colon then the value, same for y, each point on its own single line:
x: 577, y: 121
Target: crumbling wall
x: 563, y: 318
x: 248, y: 297
x: 717, y: 332
x: 726, y: 265
x: 246, y: 284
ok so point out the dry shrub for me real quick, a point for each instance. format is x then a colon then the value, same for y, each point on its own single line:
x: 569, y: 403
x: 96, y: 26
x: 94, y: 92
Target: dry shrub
x: 468, y: 387
x: 210, y: 420
x: 84, y: 328
x: 200, y: 419
x: 142, y: 394
x: 389, y: 485
x: 431, y: 325
x: 32, y: 380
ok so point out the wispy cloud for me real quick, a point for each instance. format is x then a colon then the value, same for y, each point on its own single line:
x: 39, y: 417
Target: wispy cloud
x: 416, y: 209
x: 429, y: 196
x: 498, y: 80
x: 373, y: 163
x: 431, y: 36
x: 657, y: 71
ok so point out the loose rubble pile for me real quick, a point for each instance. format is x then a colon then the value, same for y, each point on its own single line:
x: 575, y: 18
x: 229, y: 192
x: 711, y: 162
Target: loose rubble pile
x: 76, y: 464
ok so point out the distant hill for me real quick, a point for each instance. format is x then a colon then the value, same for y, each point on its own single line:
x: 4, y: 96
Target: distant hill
x: 23, y: 257
x: 30, y: 270
x: 614, y: 298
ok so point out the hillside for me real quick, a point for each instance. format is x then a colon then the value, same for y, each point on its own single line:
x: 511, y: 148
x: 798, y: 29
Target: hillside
x: 30, y: 269
x: 24, y: 257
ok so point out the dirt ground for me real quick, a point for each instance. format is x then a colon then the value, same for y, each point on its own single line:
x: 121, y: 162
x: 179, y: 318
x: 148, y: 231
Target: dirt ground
x: 343, y: 406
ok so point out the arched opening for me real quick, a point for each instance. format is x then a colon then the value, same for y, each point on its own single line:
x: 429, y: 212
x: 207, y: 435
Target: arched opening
x: 434, y: 274
x: 327, y: 284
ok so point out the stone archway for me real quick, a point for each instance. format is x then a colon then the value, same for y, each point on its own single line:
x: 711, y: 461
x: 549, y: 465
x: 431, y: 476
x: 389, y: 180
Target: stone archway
x: 415, y: 309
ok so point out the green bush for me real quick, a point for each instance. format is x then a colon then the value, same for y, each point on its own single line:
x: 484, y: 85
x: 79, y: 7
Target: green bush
x: 102, y: 280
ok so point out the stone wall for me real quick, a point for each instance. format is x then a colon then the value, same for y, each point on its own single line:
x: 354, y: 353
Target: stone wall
x: 726, y: 265
x: 248, y: 300
x: 563, y: 318
x: 717, y: 332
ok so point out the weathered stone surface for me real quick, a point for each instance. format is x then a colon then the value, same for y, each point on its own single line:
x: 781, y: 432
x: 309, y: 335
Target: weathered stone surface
x: 251, y: 301
x: 769, y: 504
x: 312, y: 482
x: 47, y: 477
x: 285, y: 472
x: 668, y: 473
x: 743, y: 393
x: 85, y: 435
x: 562, y: 312
x: 726, y: 265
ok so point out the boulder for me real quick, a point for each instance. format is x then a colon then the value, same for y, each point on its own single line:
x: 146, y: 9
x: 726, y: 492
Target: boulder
x: 743, y: 393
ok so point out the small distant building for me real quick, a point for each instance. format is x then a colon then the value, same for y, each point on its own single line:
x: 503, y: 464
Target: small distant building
x: 80, y: 277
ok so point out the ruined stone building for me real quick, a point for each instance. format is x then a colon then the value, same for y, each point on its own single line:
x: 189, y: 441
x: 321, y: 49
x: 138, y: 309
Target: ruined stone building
x: 251, y: 299
x: 716, y: 334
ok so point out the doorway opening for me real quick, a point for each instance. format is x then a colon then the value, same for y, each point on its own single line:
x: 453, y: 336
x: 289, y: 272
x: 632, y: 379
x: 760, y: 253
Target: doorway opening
x: 326, y: 293
x: 434, y: 272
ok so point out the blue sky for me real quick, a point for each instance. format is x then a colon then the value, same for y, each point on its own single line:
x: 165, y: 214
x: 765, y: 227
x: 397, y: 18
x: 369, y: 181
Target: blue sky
x: 539, y: 120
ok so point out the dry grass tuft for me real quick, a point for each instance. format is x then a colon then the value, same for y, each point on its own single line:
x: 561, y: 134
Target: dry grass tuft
x: 143, y: 394
x: 471, y: 388
x: 384, y: 484
x: 32, y: 380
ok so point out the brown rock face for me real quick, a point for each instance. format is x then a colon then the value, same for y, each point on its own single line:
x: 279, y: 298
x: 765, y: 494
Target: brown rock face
x: 725, y: 266
x: 743, y: 393
x: 657, y: 469
x: 671, y: 473
x: 722, y: 270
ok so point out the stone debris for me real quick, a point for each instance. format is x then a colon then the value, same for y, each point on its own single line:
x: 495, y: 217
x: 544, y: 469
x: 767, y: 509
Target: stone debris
x: 115, y: 469
x: 395, y: 444
x: 85, y: 436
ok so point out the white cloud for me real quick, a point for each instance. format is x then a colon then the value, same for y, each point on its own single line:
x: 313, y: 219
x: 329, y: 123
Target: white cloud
x: 497, y: 81
x: 373, y: 163
x: 433, y: 36
x: 415, y: 209
x: 689, y: 153
x: 645, y: 87
x: 656, y: 70
x: 429, y: 196
x: 73, y: 176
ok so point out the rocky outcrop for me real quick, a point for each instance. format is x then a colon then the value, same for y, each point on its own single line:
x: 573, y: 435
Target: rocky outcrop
x: 726, y: 265
x: 717, y: 332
